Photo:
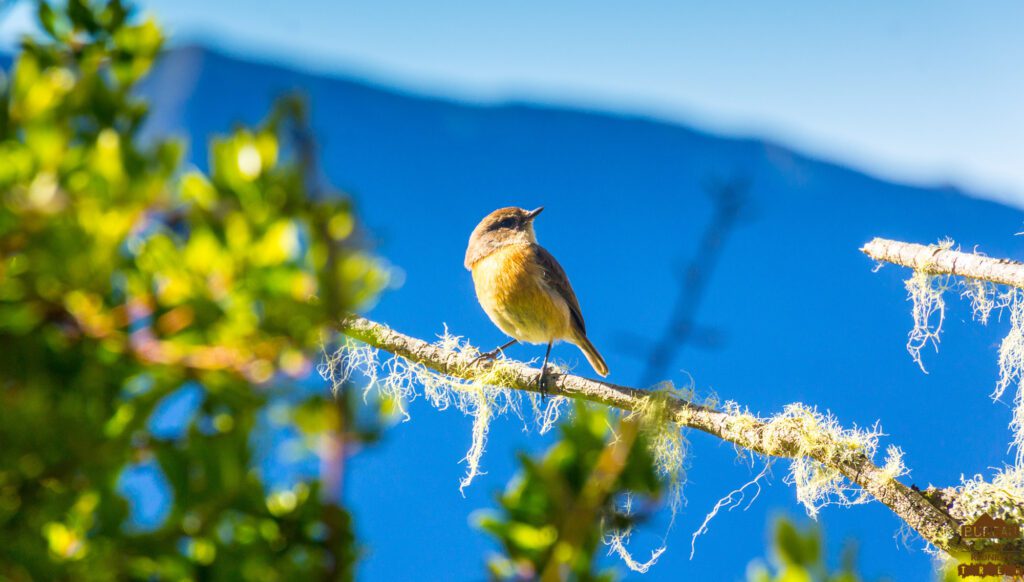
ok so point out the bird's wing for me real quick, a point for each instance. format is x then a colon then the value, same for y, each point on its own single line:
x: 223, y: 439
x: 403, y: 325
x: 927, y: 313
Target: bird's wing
x: 555, y: 277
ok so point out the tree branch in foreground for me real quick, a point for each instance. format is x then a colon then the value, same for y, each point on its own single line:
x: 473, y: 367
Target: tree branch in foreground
x: 781, y: 437
x: 937, y: 260
x: 982, y: 279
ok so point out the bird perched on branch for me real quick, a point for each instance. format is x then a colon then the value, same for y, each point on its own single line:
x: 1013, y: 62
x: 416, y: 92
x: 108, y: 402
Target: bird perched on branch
x: 523, y: 289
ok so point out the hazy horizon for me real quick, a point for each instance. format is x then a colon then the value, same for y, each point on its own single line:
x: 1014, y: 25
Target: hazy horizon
x: 919, y: 93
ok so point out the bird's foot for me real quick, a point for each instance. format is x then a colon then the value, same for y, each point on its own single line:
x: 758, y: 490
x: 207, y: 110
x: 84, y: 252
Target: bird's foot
x: 486, y: 357
x: 491, y: 355
x: 542, y: 383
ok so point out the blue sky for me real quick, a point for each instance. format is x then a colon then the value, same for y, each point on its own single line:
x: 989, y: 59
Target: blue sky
x: 921, y: 92
x: 915, y: 91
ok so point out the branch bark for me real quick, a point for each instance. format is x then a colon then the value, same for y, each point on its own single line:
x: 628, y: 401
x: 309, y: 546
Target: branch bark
x: 933, y: 523
x: 936, y: 260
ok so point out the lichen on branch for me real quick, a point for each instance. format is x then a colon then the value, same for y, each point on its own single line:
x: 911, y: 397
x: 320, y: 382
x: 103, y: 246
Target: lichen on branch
x: 1011, y: 371
x: 990, y: 284
x: 925, y: 291
x: 827, y: 457
x: 401, y: 380
x: 941, y: 259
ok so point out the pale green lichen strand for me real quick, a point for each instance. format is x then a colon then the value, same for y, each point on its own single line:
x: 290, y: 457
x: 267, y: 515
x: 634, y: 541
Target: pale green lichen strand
x: 337, y: 367
x: 820, y: 436
x: 894, y: 466
x: 398, y: 379
x: 984, y: 298
x: 1001, y: 498
x: 618, y: 538
x: 547, y: 411
x: 668, y: 446
x: 1011, y: 371
x: 925, y: 292
x: 665, y: 437
x: 731, y: 501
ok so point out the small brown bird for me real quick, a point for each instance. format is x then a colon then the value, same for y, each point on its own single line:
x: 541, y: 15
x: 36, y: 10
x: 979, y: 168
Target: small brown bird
x: 523, y: 289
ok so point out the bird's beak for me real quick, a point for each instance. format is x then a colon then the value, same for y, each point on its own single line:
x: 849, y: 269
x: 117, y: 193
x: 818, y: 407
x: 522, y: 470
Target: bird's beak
x: 533, y: 213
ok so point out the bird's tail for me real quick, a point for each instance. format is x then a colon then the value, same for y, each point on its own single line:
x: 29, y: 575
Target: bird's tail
x: 588, y: 349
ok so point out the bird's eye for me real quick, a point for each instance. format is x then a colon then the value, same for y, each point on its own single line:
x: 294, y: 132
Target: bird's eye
x: 509, y: 222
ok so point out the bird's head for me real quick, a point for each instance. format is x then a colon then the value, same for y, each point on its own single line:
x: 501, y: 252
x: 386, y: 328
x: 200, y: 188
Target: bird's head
x: 504, y: 226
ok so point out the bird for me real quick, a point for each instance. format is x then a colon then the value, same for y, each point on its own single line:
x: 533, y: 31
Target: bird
x: 523, y: 289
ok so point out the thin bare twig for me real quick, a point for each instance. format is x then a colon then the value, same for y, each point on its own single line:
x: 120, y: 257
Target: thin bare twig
x: 729, y: 199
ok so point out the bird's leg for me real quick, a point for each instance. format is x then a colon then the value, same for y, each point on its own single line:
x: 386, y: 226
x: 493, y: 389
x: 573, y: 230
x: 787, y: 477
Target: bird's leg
x: 544, y: 371
x: 491, y: 354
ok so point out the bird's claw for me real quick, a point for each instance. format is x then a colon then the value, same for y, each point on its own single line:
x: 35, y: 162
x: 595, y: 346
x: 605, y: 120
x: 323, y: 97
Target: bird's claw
x: 542, y: 383
x: 485, y: 357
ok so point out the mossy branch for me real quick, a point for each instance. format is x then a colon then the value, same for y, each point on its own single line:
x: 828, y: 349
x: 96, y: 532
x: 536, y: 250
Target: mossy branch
x: 787, y: 437
x: 939, y: 260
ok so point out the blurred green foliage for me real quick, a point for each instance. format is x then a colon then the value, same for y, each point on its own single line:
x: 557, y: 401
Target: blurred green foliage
x: 798, y: 556
x: 123, y: 278
x: 555, y: 514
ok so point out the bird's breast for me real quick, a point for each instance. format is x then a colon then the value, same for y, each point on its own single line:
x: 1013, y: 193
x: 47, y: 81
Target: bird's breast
x: 511, y: 288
